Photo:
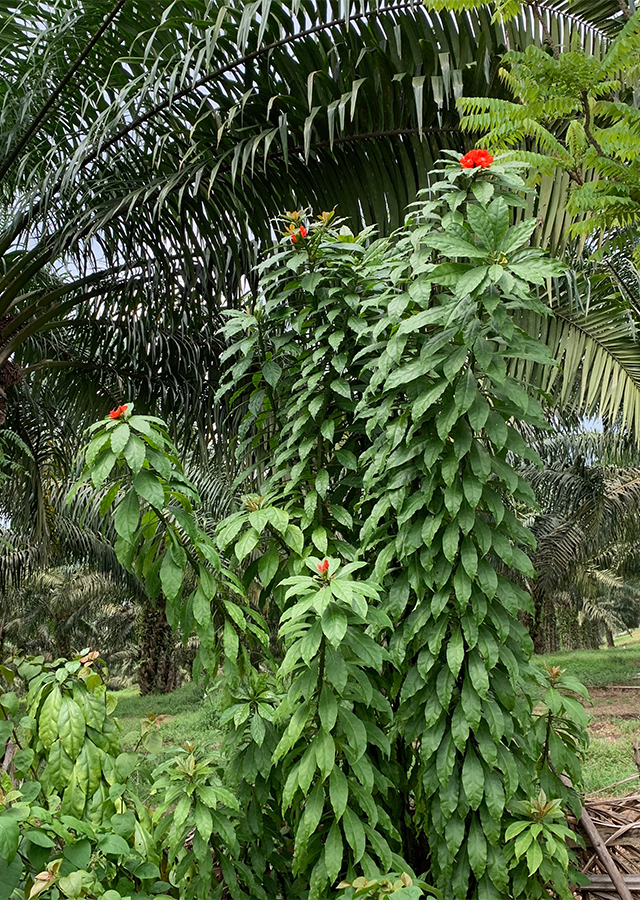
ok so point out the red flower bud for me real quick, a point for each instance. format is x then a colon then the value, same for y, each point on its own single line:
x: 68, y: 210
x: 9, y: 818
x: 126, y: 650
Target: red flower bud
x: 476, y: 159
x: 300, y: 233
x: 118, y: 412
x: 323, y: 567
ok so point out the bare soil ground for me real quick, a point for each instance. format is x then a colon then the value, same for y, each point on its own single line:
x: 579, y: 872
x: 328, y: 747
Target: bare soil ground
x: 614, y: 703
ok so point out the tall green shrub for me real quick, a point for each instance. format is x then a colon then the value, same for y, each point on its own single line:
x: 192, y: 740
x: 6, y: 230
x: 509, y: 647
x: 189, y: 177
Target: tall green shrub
x: 380, y: 399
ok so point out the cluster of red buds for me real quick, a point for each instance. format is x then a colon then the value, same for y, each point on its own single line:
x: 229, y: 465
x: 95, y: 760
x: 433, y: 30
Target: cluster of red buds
x: 297, y: 231
x: 323, y: 567
x: 476, y: 158
x: 118, y: 412
x: 300, y: 232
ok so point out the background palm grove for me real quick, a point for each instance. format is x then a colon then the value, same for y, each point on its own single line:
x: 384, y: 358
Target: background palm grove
x: 374, y: 438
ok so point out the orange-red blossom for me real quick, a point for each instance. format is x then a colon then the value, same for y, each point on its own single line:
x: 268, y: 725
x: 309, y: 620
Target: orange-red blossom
x: 476, y: 158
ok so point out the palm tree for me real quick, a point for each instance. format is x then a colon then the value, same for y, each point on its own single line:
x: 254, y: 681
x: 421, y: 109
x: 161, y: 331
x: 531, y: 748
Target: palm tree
x: 587, y: 531
x: 60, y: 611
x: 144, y: 151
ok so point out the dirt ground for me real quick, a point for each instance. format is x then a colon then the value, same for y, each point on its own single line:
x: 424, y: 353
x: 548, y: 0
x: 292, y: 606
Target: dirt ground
x: 614, y: 703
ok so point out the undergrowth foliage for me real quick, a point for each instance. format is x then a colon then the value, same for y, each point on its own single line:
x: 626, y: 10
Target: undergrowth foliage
x: 388, y: 728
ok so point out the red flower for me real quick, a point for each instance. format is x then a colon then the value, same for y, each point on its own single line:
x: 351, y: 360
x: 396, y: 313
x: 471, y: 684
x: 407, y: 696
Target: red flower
x: 302, y: 232
x: 118, y: 412
x: 323, y: 567
x: 476, y: 158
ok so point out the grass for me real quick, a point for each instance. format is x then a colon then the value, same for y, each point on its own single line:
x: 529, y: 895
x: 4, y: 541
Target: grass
x: 601, y: 668
x: 614, y: 715
x: 193, y: 715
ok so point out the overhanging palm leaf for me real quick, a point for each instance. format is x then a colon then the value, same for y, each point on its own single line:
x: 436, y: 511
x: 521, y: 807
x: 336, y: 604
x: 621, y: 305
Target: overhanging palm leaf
x: 199, y: 123
x: 598, y: 357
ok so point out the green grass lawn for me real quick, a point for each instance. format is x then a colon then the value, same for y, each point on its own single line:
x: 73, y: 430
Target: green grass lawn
x: 604, y: 667
x: 615, y: 714
x: 193, y: 714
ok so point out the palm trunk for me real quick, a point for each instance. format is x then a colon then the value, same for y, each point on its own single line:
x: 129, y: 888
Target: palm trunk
x: 569, y: 630
x: 158, y: 670
x: 609, y: 636
x: 590, y: 632
x: 545, y: 630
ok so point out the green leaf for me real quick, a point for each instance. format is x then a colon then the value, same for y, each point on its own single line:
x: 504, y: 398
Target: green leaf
x: 322, y: 483
x: 327, y: 707
x: 333, y: 852
x: 10, y: 875
x: 268, y: 566
x: 534, y: 857
x: 482, y: 226
x: 149, y: 487
x: 135, y: 453
x: 9, y: 836
x: 78, y: 853
x: 496, y: 430
x: 446, y: 419
x: 294, y: 538
x: 483, y: 192
x: 123, y: 824
x: 95, y: 446
x: 354, y: 833
x: 278, y: 518
x: 203, y: 822
x: 48, y: 718
x: 473, y: 778
x: 102, y: 468
x: 71, y: 726
x: 455, y: 652
x: 334, y: 624
x: 247, y: 542
x: 113, y: 845
x: 450, y: 245
x: 258, y: 518
x: 171, y: 576
x: 338, y: 791
x: 450, y: 540
x: 347, y: 459
x: 340, y: 386
x: 88, y: 768
x: 497, y: 214
x: 127, y: 516
x: 319, y: 539
x: 469, y: 556
x: 453, y: 363
x: 272, y: 372
x: 355, y: 732
x: 477, y: 848
x: 59, y: 766
x: 428, y: 398
x: 120, y: 438
x: 73, y: 799
x: 230, y: 641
